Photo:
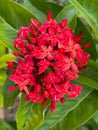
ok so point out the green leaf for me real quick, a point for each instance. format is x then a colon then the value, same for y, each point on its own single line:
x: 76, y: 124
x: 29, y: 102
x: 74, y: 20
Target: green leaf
x: 9, y: 97
x: 37, y: 117
x: 83, y: 112
x: 91, y: 123
x: 68, y: 12
x: 93, y: 64
x: 95, y: 117
x: 15, y: 14
x: 3, y: 76
x: 29, y: 115
x: 2, y: 49
x: 80, y: 114
x: 2, y: 79
x: 87, y: 80
x: 52, y: 121
x: 39, y: 14
x: 5, y: 126
x: 87, y: 37
x: 40, y: 8
x: 89, y: 76
x: 89, y: 11
x: 5, y: 58
x: 73, y: 23
x: 7, y: 34
x: 23, y: 112
x: 1, y: 99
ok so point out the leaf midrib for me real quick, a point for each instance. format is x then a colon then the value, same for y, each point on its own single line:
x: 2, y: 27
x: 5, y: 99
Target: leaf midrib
x: 70, y: 110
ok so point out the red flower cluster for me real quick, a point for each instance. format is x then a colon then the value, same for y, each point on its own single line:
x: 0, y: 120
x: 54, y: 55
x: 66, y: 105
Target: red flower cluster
x: 49, y: 57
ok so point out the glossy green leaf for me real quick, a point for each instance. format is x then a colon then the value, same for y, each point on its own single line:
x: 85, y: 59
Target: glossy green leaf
x: 9, y: 97
x: 5, y: 58
x: 15, y: 14
x: 52, y: 121
x: 40, y: 8
x: 86, y: 38
x: 83, y: 112
x: 29, y: 115
x: 68, y: 12
x: 88, y: 10
x: 7, y: 34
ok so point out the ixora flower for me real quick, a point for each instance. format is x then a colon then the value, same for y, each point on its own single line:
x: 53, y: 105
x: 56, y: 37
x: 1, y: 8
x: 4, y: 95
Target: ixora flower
x: 49, y: 57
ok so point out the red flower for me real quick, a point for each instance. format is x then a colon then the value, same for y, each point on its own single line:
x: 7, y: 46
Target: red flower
x: 42, y: 52
x: 24, y: 32
x: 49, y: 57
x: 11, y: 89
x: 43, y: 65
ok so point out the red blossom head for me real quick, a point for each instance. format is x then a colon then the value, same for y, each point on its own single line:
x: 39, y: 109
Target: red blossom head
x: 49, y: 57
